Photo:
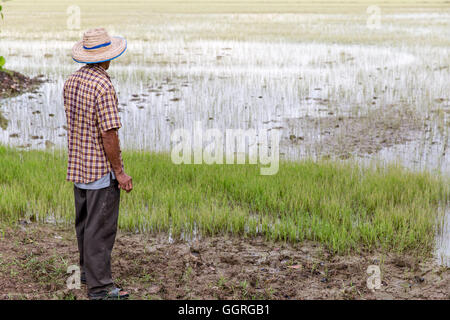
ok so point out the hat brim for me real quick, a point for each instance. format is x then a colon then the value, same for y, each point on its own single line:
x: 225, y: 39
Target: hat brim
x: 117, y: 47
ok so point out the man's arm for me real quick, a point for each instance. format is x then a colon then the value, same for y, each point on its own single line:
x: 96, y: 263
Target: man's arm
x: 112, y: 150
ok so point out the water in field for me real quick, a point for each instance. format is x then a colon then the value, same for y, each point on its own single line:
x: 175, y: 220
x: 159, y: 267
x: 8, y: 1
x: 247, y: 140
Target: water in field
x: 388, y: 101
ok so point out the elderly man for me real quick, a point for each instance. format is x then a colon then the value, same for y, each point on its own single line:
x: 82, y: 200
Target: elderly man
x: 94, y: 158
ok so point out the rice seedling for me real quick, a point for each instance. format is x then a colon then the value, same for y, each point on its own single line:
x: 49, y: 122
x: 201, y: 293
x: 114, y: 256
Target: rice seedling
x: 338, y: 204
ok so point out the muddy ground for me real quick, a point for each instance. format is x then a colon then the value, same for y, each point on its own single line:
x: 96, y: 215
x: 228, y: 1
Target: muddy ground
x: 13, y: 83
x: 361, y: 135
x: 34, y: 260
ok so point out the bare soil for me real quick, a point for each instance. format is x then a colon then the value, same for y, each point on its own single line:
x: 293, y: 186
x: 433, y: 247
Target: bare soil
x: 34, y: 260
x: 13, y: 83
x: 344, y: 136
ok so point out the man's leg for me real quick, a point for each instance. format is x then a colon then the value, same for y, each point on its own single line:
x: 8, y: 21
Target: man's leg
x: 80, y: 220
x: 99, y: 236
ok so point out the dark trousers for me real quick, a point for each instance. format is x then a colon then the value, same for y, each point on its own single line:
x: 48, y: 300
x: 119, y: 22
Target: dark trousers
x: 97, y: 212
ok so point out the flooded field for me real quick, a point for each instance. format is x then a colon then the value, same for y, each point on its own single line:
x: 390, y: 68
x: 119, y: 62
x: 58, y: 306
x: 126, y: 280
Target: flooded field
x: 323, y: 97
x: 387, y: 101
x: 334, y: 87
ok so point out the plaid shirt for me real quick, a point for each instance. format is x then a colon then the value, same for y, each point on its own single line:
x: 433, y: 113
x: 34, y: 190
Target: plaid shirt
x: 91, y: 106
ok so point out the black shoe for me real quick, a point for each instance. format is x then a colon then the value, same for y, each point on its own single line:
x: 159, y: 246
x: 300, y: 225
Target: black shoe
x: 83, y: 278
x: 112, y: 294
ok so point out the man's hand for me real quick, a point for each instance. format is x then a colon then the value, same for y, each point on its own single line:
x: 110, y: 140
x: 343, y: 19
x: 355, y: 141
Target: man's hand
x: 125, y: 181
x: 112, y: 150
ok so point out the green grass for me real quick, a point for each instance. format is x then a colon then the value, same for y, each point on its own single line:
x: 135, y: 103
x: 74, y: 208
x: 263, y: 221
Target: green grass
x: 342, y: 206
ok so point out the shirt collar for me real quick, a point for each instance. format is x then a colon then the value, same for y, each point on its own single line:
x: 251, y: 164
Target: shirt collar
x: 99, y: 69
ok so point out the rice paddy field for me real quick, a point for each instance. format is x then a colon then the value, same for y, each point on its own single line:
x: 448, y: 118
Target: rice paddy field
x: 363, y: 111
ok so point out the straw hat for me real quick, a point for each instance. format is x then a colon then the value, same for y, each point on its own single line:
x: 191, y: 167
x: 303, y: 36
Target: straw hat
x: 97, y: 46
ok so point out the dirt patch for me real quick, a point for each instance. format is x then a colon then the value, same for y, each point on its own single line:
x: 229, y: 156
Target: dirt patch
x: 343, y: 136
x: 3, y: 121
x: 13, y: 83
x: 34, y: 259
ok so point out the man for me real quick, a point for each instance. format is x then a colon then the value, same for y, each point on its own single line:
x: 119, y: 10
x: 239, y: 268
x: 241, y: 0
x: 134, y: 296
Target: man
x: 94, y: 158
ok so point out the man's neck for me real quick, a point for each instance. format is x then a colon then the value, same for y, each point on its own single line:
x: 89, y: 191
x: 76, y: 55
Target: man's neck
x: 98, y: 65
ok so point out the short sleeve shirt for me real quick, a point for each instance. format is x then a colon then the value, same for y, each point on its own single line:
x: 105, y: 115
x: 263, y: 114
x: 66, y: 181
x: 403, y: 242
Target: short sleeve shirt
x: 91, y: 107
